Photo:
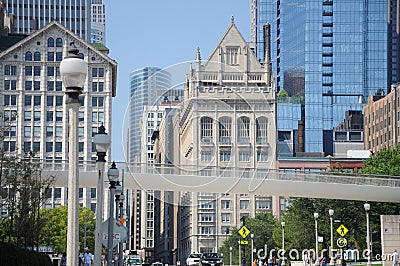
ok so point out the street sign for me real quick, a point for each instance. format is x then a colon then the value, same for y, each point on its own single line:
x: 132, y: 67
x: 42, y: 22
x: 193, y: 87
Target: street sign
x: 244, y: 242
x: 341, y: 242
x: 120, y: 233
x: 243, y: 231
x: 342, y: 230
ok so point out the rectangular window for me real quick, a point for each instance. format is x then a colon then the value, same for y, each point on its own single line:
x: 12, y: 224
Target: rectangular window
x: 225, y: 204
x: 93, y: 193
x: 206, y: 156
x: 50, y: 56
x: 49, y: 131
x: 58, y: 56
x: 80, y: 146
x: 244, y: 156
x: 28, y: 100
x: 59, y: 100
x: 27, y: 146
x: 262, y: 156
x: 37, y: 100
x: 36, y: 85
x: 244, y: 204
x: 57, y: 193
x: 36, y: 146
x: 80, y: 132
x: 50, y: 71
x: 49, y: 115
x: 263, y: 204
x: 28, y: 85
x: 225, y: 217
x: 58, y: 131
x: 284, y: 135
x: 27, y: 132
x: 49, y: 146
x: 50, y: 85
x: 58, y: 147
x: 37, y: 70
x: 97, y: 101
x: 50, y: 101
x: 27, y: 116
x: 58, y: 86
x: 232, y: 55
x: 59, y: 116
x: 28, y: 70
x: 224, y: 156
x: 36, y: 131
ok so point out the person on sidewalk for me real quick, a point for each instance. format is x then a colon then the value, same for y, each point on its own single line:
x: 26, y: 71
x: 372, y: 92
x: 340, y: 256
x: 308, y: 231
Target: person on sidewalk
x: 87, y: 257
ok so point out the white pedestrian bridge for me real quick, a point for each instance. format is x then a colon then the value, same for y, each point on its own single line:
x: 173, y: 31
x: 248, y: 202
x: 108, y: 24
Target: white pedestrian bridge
x: 235, y: 181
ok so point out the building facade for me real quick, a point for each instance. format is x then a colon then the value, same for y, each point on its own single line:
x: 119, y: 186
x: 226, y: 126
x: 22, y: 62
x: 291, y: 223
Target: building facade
x: 98, y: 23
x: 227, y: 121
x: 29, y: 16
x: 339, y: 48
x: 33, y: 98
x: 381, y: 125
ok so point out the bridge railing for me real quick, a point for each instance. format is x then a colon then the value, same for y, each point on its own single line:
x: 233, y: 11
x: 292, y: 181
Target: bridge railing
x: 229, y: 172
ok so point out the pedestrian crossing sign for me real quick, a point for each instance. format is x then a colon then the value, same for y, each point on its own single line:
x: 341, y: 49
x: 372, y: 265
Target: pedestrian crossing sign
x: 342, y: 230
x: 243, y: 231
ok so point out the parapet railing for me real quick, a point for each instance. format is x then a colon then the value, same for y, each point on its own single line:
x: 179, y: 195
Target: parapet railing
x: 230, y: 172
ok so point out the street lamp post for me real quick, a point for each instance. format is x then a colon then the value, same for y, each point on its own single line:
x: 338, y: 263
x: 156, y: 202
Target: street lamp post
x: 252, y: 247
x: 102, y: 142
x: 332, y: 262
x: 118, y: 193
x: 240, y: 257
x: 283, y: 243
x: 316, y: 238
x: 121, y: 215
x: 230, y: 256
x: 73, y: 71
x: 112, y: 177
x: 367, y: 207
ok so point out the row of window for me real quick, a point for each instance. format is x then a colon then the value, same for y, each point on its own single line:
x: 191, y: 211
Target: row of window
x: 225, y: 129
x: 36, y: 100
x: 11, y: 70
x: 57, y: 193
x: 50, y: 146
x: 51, y: 85
x: 225, y: 156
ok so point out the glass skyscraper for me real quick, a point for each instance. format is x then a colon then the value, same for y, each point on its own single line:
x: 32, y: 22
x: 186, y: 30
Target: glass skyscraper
x: 336, y: 49
x: 31, y: 15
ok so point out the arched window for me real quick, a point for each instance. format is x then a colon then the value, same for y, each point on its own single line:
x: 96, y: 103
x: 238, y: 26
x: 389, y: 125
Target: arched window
x: 50, y: 42
x: 36, y: 56
x: 206, y: 129
x: 28, y: 56
x: 261, y: 130
x: 59, y: 42
x: 243, y: 129
x: 225, y: 130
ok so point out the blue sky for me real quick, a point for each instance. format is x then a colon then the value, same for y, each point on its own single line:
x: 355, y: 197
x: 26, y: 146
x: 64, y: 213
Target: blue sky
x: 163, y: 33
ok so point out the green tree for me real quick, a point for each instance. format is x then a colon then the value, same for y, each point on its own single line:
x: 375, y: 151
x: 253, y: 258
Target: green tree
x: 385, y: 162
x: 56, y: 225
x: 283, y: 94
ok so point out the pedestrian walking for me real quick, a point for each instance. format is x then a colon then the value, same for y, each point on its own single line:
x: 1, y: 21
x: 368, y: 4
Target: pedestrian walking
x: 63, y: 260
x: 395, y: 258
x: 87, y: 257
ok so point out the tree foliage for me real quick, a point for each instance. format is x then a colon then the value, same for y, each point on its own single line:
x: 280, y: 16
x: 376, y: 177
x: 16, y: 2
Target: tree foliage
x: 283, y: 94
x: 56, y: 226
x: 22, y: 193
x: 385, y: 162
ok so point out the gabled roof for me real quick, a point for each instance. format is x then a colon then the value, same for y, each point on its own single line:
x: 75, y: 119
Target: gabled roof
x: 233, y: 33
x: 77, y: 41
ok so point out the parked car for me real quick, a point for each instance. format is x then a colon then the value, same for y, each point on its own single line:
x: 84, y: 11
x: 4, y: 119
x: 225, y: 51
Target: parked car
x: 193, y: 259
x: 157, y: 264
x: 133, y: 261
x: 211, y: 259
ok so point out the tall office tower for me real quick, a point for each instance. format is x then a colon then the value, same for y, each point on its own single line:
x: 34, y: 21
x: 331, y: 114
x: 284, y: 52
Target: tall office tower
x: 146, y: 88
x: 227, y: 121
x: 29, y: 16
x: 339, y: 45
x: 98, y: 23
x: 32, y: 89
x: 393, y: 42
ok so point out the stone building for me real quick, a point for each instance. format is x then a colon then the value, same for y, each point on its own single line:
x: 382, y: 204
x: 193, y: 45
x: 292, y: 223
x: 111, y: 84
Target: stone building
x: 227, y: 121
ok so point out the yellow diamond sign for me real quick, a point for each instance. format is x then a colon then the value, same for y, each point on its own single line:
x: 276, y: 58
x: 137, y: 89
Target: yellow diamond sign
x: 243, y: 231
x: 342, y: 230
